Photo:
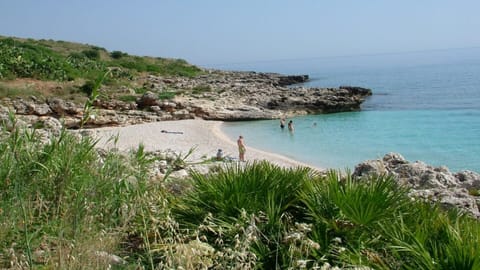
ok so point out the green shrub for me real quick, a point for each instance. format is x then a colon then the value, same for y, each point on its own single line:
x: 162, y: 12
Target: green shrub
x: 46, y: 60
x: 77, y: 56
x: 434, y: 239
x: 18, y: 59
x: 32, y: 60
x: 88, y: 87
x: 92, y: 54
x: 117, y: 54
x: 252, y: 188
x: 156, y: 66
x: 235, y: 194
x: 141, y: 90
x: 97, y: 48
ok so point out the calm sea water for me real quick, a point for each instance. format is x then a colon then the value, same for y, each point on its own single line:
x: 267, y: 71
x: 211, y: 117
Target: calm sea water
x: 425, y: 106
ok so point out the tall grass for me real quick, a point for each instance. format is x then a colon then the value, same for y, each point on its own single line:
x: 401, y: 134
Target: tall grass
x: 59, y: 196
x: 436, y: 240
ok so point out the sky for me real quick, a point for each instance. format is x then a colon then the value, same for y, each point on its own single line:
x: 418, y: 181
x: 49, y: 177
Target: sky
x: 216, y: 32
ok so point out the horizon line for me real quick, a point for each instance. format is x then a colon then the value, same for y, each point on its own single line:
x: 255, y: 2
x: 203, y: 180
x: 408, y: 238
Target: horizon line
x: 344, y: 56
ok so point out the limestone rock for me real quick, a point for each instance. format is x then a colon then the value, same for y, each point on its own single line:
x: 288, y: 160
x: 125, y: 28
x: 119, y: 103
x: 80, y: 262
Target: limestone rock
x: 370, y: 167
x: 41, y: 109
x: 468, y: 179
x: 179, y: 174
x: 394, y: 159
x: 448, y: 198
x: 436, y: 184
x: 51, y: 123
x: 148, y: 99
x: 62, y: 107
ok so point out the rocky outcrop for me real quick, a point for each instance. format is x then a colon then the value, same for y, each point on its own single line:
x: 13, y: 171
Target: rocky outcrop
x: 436, y: 184
x: 292, y: 79
x: 61, y: 107
x: 253, y: 96
x: 148, y: 99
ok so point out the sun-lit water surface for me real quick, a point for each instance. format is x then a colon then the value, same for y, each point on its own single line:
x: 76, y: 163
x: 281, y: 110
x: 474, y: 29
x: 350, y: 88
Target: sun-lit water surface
x: 425, y: 106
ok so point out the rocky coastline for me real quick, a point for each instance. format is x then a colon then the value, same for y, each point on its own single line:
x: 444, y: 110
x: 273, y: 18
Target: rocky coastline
x: 218, y: 95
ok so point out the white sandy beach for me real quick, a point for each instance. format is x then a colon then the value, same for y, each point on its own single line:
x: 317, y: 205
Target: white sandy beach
x: 205, y: 136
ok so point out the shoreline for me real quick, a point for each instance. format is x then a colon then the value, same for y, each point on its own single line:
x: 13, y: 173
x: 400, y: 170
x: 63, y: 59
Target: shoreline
x: 180, y: 136
x: 270, y: 156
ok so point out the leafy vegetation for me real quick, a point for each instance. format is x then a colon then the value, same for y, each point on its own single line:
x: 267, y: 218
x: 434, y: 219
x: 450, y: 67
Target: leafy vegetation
x: 167, y: 95
x: 65, y: 205
x: 201, y: 89
x: 61, y: 61
x: 175, y: 67
x: 93, y: 94
x: 18, y: 59
x: 92, y: 54
x: 117, y: 54
x: 140, y: 90
x: 58, y: 199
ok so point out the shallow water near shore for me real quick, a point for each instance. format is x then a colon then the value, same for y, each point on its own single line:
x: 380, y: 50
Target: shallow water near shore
x: 425, y: 106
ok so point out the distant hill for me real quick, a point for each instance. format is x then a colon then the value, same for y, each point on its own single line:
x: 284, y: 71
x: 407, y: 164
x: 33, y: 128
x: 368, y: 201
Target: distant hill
x: 31, y: 67
x: 65, y: 61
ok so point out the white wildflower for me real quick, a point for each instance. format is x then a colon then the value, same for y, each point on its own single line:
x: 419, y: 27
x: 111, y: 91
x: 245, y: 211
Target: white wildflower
x: 295, y: 236
x: 304, y: 227
x: 312, y: 244
x: 302, y: 263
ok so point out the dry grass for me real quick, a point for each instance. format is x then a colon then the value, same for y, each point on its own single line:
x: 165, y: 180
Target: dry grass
x: 25, y: 87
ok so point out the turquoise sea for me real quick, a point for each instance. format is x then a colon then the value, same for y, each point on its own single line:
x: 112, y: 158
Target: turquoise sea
x: 425, y: 106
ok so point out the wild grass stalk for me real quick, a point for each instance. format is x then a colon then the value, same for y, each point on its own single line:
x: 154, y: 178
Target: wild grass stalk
x: 438, y: 240
x: 95, y: 93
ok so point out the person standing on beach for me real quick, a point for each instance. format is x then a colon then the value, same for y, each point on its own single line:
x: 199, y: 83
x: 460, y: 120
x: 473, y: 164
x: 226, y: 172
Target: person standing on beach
x: 241, y: 148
